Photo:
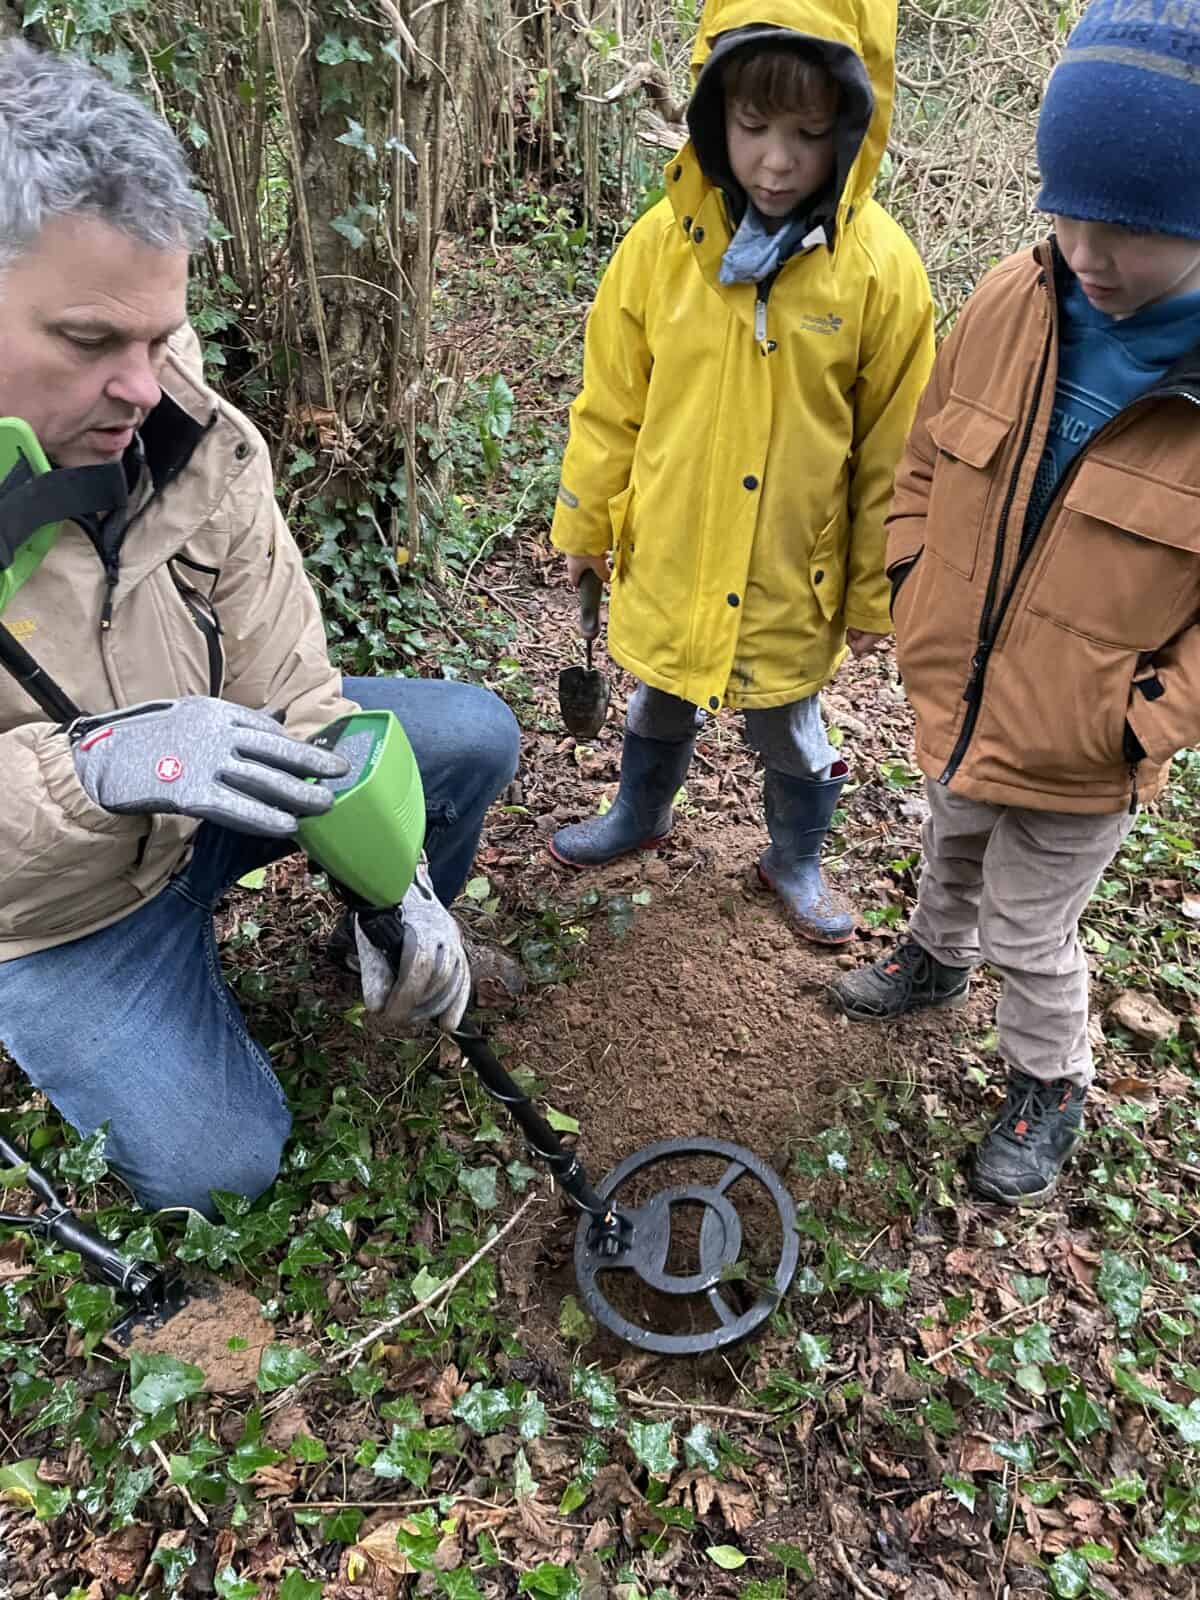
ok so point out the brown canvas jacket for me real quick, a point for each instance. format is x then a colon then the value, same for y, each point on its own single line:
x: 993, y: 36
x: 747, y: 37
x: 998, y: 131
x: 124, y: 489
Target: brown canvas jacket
x: 1029, y: 662
x: 210, y: 598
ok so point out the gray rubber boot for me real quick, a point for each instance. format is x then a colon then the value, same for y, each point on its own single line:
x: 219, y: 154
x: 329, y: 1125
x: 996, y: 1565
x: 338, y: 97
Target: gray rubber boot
x: 640, y: 817
x: 799, y: 811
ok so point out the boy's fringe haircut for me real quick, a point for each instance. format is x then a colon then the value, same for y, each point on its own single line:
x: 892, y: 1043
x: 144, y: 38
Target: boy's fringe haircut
x: 780, y: 80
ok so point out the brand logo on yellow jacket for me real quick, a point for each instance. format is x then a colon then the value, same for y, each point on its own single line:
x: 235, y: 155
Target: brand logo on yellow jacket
x: 814, y: 324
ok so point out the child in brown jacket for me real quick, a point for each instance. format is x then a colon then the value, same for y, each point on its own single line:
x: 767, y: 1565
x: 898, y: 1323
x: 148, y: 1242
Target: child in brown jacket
x: 1044, y: 552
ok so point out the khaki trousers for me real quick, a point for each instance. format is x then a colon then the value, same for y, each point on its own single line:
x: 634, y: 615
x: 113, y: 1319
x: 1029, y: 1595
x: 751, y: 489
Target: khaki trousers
x: 1008, y: 886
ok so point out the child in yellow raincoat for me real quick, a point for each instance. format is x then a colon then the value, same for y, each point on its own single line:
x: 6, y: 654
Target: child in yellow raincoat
x: 753, y: 361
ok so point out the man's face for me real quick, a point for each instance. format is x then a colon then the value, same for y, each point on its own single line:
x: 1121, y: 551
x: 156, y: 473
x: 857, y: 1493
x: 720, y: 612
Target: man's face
x: 85, y: 315
x: 1121, y: 271
x: 780, y: 159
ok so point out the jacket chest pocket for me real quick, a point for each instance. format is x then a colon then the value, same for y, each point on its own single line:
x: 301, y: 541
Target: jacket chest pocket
x: 1122, y: 560
x: 969, y: 440
x: 195, y: 585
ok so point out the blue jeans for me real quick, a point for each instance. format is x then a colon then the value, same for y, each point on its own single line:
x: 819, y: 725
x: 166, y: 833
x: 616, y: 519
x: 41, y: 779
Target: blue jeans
x: 134, y: 1025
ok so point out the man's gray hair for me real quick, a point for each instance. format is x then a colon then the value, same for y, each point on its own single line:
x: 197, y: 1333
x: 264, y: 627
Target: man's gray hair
x: 73, y: 143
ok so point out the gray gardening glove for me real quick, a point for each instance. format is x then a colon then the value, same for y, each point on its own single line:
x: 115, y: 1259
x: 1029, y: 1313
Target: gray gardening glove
x: 204, y: 758
x: 431, y: 978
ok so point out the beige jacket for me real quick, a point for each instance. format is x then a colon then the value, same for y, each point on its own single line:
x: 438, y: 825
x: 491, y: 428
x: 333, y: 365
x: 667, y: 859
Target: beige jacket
x: 210, y: 598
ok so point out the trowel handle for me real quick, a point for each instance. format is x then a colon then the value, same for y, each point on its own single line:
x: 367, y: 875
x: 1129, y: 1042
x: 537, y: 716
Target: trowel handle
x: 591, y: 590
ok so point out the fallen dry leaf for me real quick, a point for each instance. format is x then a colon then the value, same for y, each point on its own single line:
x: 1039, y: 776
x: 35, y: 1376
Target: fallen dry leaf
x: 739, y: 1507
x: 121, y: 1558
x: 1146, y: 1094
x: 275, y: 1481
x: 12, y: 1261
x: 379, y: 1547
x: 887, y: 1467
x: 443, y: 1392
x: 284, y: 1426
x: 1142, y: 1016
x: 600, y: 1534
x: 977, y: 1455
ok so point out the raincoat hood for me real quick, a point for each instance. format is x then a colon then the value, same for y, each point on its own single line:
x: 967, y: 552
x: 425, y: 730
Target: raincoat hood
x: 856, y: 43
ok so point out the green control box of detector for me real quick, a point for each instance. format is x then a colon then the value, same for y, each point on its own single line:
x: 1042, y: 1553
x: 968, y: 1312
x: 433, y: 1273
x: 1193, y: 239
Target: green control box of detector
x: 21, y: 458
x: 370, y: 839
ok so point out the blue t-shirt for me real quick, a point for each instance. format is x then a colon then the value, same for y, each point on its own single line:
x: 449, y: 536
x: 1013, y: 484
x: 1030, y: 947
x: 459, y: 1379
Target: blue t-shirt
x: 1103, y: 365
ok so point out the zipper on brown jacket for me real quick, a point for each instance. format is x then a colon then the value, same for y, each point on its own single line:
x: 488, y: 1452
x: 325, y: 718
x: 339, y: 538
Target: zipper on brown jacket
x: 989, y: 631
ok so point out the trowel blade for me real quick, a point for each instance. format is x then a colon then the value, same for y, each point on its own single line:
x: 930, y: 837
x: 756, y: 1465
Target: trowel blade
x: 583, y: 701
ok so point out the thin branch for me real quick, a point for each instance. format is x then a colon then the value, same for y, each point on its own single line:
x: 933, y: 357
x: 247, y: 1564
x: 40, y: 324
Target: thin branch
x: 182, y: 1487
x: 361, y: 1346
x: 710, y: 1411
x: 1012, y: 1522
x: 842, y: 1562
x: 982, y: 1333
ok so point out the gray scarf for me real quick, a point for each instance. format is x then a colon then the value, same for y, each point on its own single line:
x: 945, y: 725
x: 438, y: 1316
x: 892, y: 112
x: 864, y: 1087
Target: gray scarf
x: 754, y: 253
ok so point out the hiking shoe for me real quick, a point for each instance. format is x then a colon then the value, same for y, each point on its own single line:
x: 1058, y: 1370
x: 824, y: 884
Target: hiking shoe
x: 909, y: 979
x: 1020, y: 1157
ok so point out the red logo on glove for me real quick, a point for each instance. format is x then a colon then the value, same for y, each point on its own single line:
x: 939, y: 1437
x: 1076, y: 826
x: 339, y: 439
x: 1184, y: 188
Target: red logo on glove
x: 168, y: 769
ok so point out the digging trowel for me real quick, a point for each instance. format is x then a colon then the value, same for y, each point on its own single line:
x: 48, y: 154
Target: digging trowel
x: 582, y: 691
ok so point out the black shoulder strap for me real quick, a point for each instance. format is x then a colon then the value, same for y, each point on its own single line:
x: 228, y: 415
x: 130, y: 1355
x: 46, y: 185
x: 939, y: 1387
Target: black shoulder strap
x: 29, y: 502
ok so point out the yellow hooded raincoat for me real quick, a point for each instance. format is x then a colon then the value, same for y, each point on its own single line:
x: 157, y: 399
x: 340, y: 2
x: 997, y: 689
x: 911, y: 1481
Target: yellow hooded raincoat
x: 737, y: 455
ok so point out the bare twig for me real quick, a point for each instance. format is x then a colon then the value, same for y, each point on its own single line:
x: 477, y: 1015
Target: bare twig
x: 982, y: 1333
x: 353, y: 1351
x: 196, y: 1511
x: 712, y: 1411
x: 1012, y: 1522
x: 384, y: 1505
x: 842, y: 1562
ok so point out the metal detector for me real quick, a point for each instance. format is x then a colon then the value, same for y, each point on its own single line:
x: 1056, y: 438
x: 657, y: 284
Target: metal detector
x: 615, y: 1242
x: 620, y: 1242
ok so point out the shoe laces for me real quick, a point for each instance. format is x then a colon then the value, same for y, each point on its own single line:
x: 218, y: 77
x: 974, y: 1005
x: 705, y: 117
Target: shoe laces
x: 907, y: 957
x: 1028, y: 1105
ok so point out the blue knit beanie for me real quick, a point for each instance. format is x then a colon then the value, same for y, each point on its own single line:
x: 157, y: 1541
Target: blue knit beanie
x: 1119, y: 134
